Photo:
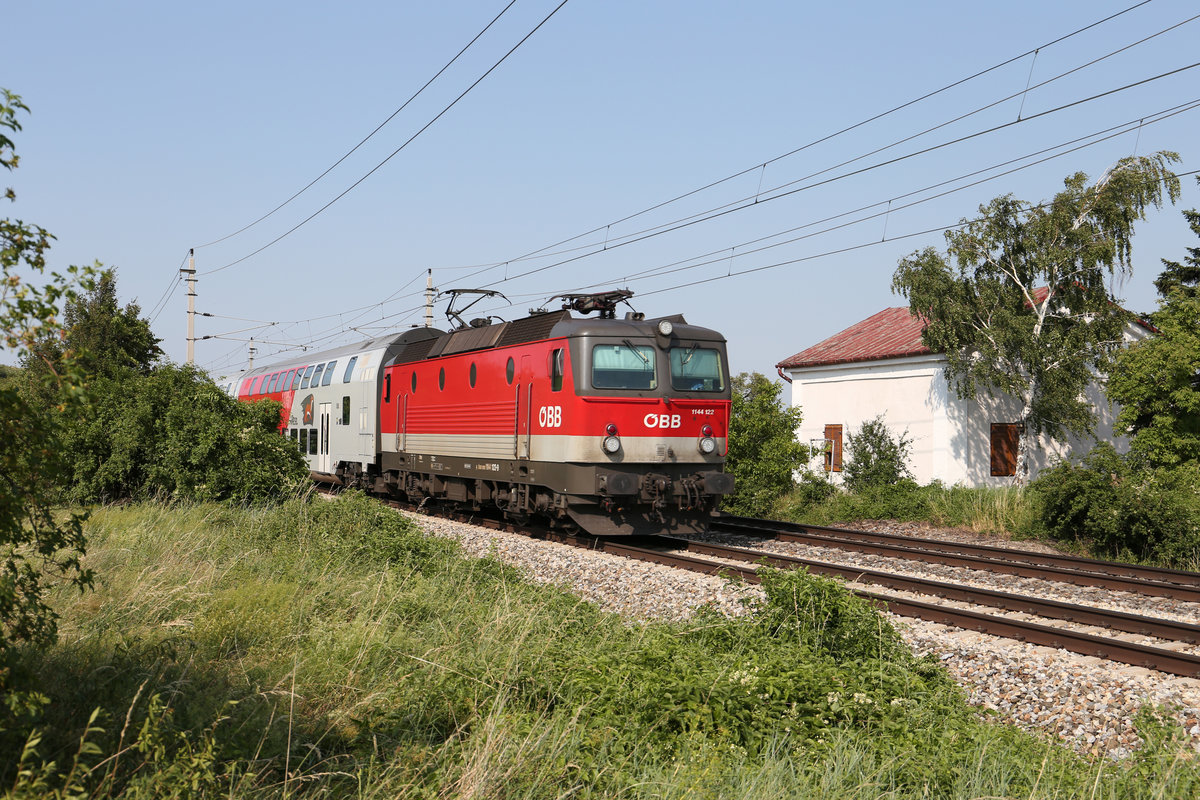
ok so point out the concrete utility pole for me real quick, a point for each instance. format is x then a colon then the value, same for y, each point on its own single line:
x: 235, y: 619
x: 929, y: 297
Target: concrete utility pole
x: 191, y: 279
x: 429, y: 299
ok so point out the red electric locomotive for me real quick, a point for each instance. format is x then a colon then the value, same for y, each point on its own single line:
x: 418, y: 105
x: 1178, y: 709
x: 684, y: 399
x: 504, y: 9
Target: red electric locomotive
x: 614, y: 425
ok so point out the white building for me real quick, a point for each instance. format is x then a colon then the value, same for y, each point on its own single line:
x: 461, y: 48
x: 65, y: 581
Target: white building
x: 880, y: 366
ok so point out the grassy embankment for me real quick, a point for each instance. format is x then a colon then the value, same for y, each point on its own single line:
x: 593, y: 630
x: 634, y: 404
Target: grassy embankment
x: 329, y: 649
x: 1009, y: 512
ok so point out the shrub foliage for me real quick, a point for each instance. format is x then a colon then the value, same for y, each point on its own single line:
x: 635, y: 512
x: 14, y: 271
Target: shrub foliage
x: 763, y: 452
x: 875, y: 457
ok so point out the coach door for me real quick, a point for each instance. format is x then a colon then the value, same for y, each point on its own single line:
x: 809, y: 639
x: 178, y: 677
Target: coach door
x: 524, y: 389
x: 323, y: 441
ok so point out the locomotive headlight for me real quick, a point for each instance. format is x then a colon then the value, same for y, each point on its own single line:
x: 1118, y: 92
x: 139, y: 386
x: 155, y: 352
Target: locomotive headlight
x: 708, y: 445
x: 612, y: 442
x: 665, y: 327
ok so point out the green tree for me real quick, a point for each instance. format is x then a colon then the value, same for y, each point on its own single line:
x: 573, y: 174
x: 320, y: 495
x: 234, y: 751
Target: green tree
x: 103, y: 338
x: 1182, y: 277
x: 1156, y: 381
x: 763, y: 452
x: 1020, y: 303
x: 874, y: 457
x: 35, y: 543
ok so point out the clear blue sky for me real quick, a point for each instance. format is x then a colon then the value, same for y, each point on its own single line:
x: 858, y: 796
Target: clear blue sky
x: 157, y: 127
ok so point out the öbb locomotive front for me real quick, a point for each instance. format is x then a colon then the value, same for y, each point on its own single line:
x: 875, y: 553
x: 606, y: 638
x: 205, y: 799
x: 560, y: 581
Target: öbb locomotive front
x: 615, y: 425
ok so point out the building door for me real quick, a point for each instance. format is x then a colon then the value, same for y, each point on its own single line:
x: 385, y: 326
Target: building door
x: 323, y: 442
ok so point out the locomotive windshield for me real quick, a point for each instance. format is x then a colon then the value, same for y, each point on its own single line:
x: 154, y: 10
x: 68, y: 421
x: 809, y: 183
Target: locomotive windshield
x: 623, y: 366
x: 695, y: 369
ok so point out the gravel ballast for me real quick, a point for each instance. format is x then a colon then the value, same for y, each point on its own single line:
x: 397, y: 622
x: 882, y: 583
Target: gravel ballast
x: 1088, y: 703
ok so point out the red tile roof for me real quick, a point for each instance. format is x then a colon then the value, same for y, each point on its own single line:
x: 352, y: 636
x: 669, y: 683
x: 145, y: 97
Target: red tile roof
x: 892, y: 333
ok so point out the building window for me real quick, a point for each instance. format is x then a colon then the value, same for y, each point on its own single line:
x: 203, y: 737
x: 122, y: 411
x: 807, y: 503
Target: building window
x: 1006, y: 437
x: 833, y: 448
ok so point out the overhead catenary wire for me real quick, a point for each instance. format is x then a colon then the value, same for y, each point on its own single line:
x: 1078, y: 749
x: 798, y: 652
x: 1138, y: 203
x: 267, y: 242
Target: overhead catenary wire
x: 775, y: 189
x: 395, y: 152
x: 681, y: 265
x: 737, y: 205
x: 751, y: 202
x: 828, y: 137
x: 370, y: 135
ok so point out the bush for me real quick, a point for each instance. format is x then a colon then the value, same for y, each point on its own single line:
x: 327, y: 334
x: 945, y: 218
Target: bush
x: 1123, y: 508
x: 874, y: 457
x: 763, y: 452
x: 174, y: 434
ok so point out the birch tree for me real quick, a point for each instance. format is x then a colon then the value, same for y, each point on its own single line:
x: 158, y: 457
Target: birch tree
x: 1021, y: 303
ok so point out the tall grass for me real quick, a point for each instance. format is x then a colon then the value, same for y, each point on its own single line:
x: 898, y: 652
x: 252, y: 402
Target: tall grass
x: 329, y: 649
x: 1007, y: 512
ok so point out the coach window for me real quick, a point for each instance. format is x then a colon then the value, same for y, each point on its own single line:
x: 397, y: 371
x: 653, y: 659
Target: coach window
x: 473, y: 373
x: 296, y: 379
x: 556, y: 370
x: 316, y: 378
x: 307, y: 375
x: 329, y: 373
x: 312, y: 441
x: 287, y: 382
x: 254, y: 386
x: 509, y: 371
x: 349, y: 369
x: 274, y: 383
x: 303, y: 440
x: 695, y: 369
x: 346, y: 409
x: 441, y: 379
x: 623, y: 366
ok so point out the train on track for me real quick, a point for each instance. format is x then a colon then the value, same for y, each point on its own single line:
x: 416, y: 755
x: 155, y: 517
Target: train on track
x: 612, y: 426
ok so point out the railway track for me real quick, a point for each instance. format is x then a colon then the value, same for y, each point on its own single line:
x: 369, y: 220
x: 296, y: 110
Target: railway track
x: 1135, y: 578
x: 742, y: 563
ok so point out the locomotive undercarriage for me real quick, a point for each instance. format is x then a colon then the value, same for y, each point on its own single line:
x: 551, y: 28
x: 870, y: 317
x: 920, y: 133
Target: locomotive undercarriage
x: 672, y: 498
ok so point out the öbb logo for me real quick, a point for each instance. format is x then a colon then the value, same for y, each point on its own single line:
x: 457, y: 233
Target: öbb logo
x: 662, y: 421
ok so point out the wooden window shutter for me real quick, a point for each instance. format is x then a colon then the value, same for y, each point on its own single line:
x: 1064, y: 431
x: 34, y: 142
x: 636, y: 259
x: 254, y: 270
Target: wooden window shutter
x: 1006, y: 438
x: 833, y: 454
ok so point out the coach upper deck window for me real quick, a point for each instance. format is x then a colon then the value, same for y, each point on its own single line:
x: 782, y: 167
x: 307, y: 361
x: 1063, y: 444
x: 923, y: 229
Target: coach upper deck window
x: 623, y: 366
x: 296, y: 380
x: 329, y: 373
x: 316, y: 378
x: 696, y: 369
x: 307, y: 375
x: 349, y: 369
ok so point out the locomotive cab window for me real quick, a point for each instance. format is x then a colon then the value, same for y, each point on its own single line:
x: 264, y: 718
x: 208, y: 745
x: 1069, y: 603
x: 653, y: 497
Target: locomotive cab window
x: 623, y: 366
x: 696, y: 369
x: 556, y: 370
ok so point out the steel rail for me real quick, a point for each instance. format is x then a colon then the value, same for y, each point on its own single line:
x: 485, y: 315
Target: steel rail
x: 1168, y: 661
x: 996, y: 561
x: 1071, y: 612
x: 1156, y: 658
x: 1114, y: 568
